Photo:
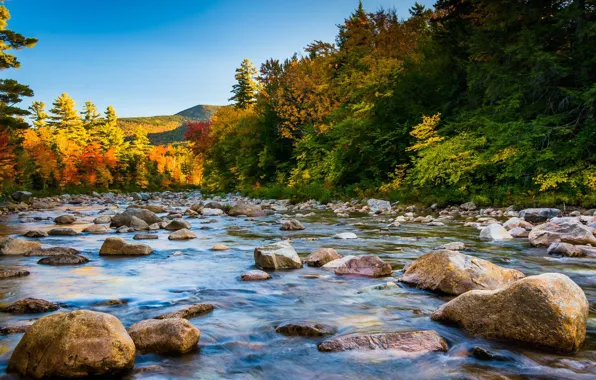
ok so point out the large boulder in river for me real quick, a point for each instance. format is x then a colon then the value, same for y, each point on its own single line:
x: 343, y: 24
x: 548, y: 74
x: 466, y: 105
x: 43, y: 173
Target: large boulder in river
x: 14, y: 246
x: 548, y: 311
x: 182, y: 234
x: 243, y: 208
x: 177, y: 224
x: 370, y: 266
x: 539, y: 215
x: 114, y: 246
x: 21, y: 196
x: 405, y: 344
x: 451, y: 272
x: 76, y: 344
x: 173, y: 335
x: 564, y: 249
x: 292, y: 225
x: 561, y: 230
x: 321, y: 257
x: 495, y: 231
x: 277, y: 256
x: 65, y: 219
x: 126, y: 218
x: 378, y: 205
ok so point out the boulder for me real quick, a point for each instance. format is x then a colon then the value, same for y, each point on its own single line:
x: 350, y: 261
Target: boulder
x: 30, y: 306
x: 63, y: 260
x: 339, y: 263
x: 405, y: 344
x: 153, y: 208
x: 166, y: 336
x: 177, y: 224
x: 303, y: 329
x: 182, y: 234
x: 561, y: 230
x: 548, y: 311
x: 212, y: 212
x: 242, y: 208
x: 321, y: 257
x: 189, y: 312
x: 96, y: 229
x: 539, y: 215
x: 378, y: 205
x: 12, y: 273
x: 370, y: 266
x: 63, y: 231
x: 126, y: 218
x: 587, y: 250
x: 104, y: 219
x: 468, y: 206
x: 35, y: 234
x: 277, y: 256
x: 495, y: 231
x: 255, y: 275
x: 451, y: 272
x: 519, y: 232
x: 14, y: 246
x: 53, y: 251
x: 219, y: 247
x: 145, y: 237
x: 75, y: 344
x: 114, y: 246
x: 21, y: 196
x: 65, y: 219
x: 345, y: 235
x: 215, y: 205
x: 564, y: 249
x: 292, y: 225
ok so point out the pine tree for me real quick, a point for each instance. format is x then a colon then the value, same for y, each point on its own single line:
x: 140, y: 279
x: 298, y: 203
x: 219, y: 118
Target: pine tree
x: 245, y: 90
x: 110, y: 135
x: 65, y: 118
x: 40, y: 116
x: 91, y: 118
x: 11, y: 92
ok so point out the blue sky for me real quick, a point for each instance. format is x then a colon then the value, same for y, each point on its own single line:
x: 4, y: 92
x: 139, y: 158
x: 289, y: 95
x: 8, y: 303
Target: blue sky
x: 148, y: 57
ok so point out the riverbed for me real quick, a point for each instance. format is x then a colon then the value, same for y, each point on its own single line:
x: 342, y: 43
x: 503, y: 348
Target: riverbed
x: 238, y: 339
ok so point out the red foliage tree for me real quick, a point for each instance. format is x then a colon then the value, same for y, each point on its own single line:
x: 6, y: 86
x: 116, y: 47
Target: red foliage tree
x: 199, y: 136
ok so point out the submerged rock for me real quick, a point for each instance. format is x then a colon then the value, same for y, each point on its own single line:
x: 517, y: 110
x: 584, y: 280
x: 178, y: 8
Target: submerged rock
x: 561, y: 230
x: 63, y: 260
x: 219, y: 247
x: 451, y: 272
x: 189, y: 312
x: 53, y: 251
x: 30, y: 306
x: 495, y: 231
x: 321, y: 257
x: 11, y: 273
x: 145, y: 237
x: 174, y: 335
x: 14, y: 246
x: 370, y: 266
x: 255, y: 275
x: 277, y: 256
x: 75, y: 344
x: 306, y: 329
x: 63, y: 232
x: 65, y: 219
x: 35, y: 234
x: 408, y: 344
x: 345, y: 235
x: 114, y: 246
x: 548, y: 311
x: 292, y: 225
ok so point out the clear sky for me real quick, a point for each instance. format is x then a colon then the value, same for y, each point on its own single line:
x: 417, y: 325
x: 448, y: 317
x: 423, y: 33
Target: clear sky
x: 148, y: 57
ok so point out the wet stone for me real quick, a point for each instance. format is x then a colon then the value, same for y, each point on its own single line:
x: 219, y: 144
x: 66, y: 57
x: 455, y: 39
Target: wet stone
x: 30, y: 306
x: 189, y: 312
x: 63, y: 260
x: 306, y: 330
x: 255, y: 275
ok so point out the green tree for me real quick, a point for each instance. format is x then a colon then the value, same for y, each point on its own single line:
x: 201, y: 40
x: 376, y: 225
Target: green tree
x: 91, y: 118
x: 245, y: 90
x: 40, y: 116
x: 65, y: 118
x: 11, y: 92
x: 109, y: 134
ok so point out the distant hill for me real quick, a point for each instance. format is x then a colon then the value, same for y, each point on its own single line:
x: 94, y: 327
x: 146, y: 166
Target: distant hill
x: 163, y: 130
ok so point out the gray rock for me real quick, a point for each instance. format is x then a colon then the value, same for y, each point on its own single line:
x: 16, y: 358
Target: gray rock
x: 378, y: 205
x: 468, y: 206
x: 495, y: 231
x: 292, y: 225
x: 255, y: 275
x: 321, y: 257
x: 539, y: 215
x: 564, y: 230
x: 21, y: 196
x: 405, y: 344
x: 145, y: 237
x: 345, y: 235
x: 277, y: 256
x: 564, y: 249
x: 370, y: 266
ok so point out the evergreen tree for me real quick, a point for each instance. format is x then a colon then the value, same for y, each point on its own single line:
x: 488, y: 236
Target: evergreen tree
x: 65, y: 118
x: 11, y: 92
x: 245, y: 90
x: 40, y: 116
x: 91, y: 118
x: 110, y: 135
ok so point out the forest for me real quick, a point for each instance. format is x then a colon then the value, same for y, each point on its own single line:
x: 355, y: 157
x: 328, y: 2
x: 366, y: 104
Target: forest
x: 485, y: 100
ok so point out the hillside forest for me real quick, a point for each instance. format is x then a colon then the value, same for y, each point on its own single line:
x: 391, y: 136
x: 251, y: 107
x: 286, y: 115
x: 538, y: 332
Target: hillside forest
x: 483, y: 100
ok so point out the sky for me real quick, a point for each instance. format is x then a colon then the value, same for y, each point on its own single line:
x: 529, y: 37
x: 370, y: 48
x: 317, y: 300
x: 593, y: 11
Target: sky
x: 148, y: 57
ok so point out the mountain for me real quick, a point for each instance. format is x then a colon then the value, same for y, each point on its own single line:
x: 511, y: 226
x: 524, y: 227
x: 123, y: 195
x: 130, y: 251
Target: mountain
x: 163, y: 130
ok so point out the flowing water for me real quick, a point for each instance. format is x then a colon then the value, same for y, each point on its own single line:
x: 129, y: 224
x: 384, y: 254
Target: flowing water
x: 238, y: 339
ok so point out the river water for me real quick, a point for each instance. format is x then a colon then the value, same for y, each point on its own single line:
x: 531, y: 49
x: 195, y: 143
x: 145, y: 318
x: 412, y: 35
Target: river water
x: 238, y: 339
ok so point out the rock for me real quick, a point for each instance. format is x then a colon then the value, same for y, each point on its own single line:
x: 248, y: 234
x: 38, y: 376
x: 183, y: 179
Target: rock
x: 483, y: 354
x: 306, y: 329
x: 219, y: 247
x: 53, y: 251
x: 62, y: 232
x: 564, y: 249
x: 587, y: 250
x: 189, y: 312
x: 30, y: 306
x: 370, y: 266
x: 468, y: 206
x: 75, y: 344
x: 14, y: 246
x: 321, y: 257
x: 408, y: 344
x: 255, y: 275
x: 378, y: 205
x: 548, y: 311
x: 277, y: 256
x: 212, y: 212
x: 345, y: 235
x: 104, y: 219
x: 21, y: 196
x: 18, y: 329
x: 182, y: 234
x: 63, y: 260
x: 563, y: 230
x: 242, y: 208
x: 127, y: 218
x: 451, y: 272
x: 149, y: 368
x: 454, y: 246
x: 177, y: 224
x: 11, y: 273
x: 519, y: 232
x: 292, y: 225
x: 339, y: 263
x: 145, y: 237
x: 176, y: 335
x: 539, y: 215
x: 35, y: 234
x: 65, y: 219
x: 495, y: 231
x: 215, y: 205
x: 114, y: 246
x: 112, y: 303
x: 153, y: 208
x: 96, y: 229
